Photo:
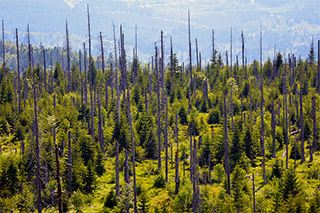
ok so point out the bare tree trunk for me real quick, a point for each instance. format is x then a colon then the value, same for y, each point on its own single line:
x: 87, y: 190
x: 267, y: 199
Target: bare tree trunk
x: 69, y: 162
x: 18, y: 69
x: 3, y: 51
x: 318, y: 66
x: 226, y: 146
x: 273, y: 125
x: 191, y: 152
x: 117, y: 170
x: 213, y: 50
x: 285, y: 105
x: 302, y: 129
x: 184, y: 162
x: 68, y: 54
x: 171, y: 64
x: 29, y: 49
x: 314, y: 142
x: 90, y: 75
x: 133, y: 154
x: 197, y: 54
x: 44, y: 70
x: 85, y: 73
x: 162, y: 68
x: 126, y: 167
x: 262, y: 115
x: 36, y: 132
x: 100, y: 130
x: 58, y: 181
x: 102, y: 52
x: 159, y: 111
x: 242, y: 47
x: 253, y: 194
x: 177, y: 178
x: 166, y: 139
x: 190, y: 56
x: 231, y: 53
x: 209, y: 165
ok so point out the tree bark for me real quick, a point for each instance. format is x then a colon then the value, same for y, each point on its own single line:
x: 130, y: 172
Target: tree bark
x: 226, y: 146
x: 133, y: 154
x: 69, y: 162
x: 302, y: 129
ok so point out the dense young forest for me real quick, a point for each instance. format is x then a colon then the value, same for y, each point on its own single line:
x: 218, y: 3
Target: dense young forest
x: 134, y: 137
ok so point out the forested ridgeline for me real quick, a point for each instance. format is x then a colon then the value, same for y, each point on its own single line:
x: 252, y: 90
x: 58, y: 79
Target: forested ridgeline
x: 135, y: 137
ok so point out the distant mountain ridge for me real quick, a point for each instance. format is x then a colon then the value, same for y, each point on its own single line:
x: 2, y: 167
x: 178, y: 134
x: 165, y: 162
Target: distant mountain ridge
x: 289, y: 25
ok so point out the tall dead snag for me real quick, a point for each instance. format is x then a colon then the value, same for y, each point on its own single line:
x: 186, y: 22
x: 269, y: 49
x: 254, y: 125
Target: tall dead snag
x: 69, y: 162
x: 85, y: 73
x: 171, y: 64
x: 213, y: 51
x: 285, y: 106
x: 165, y: 138
x: 126, y: 167
x: 44, y: 70
x: 177, y: 178
x: 302, y: 129
x: 18, y: 69
x: 90, y: 75
x: 262, y: 115
x: 209, y: 165
x: 29, y: 49
x: 159, y: 110
x: 100, y: 130
x: 197, y: 54
x: 231, y: 52
x: 122, y: 63
x: 3, y: 50
x: 253, y: 194
x: 190, y: 56
x: 226, y: 146
x: 36, y: 133
x: 133, y: 154
x: 117, y: 170
x: 273, y: 125
x: 68, y: 56
x: 242, y: 48
x: 102, y: 52
x: 191, y: 152
x: 162, y: 67
x: 314, y: 142
x: 318, y: 66
x: 58, y: 178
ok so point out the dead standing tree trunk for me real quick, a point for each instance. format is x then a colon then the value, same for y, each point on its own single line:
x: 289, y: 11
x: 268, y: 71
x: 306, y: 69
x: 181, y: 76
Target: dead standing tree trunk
x: 18, y: 69
x: 100, y: 130
x: 273, y: 125
x: 262, y: 116
x: 58, y: 180
x: 302, y: 129
x: 117, y: 170
x: 314, y: 140
x: 226, y: 146
x: 133, y: 154
x: 85, y: 73
x: 177, y: 178
x: 165, y: 138
x: 3, y: 51
x: 190, y: 55
x: 68, y: 55
x: 69, y: 162
x: 44, y: 71
x: 159, y: 110
x: 36, y: 133
x: 90, y: 76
